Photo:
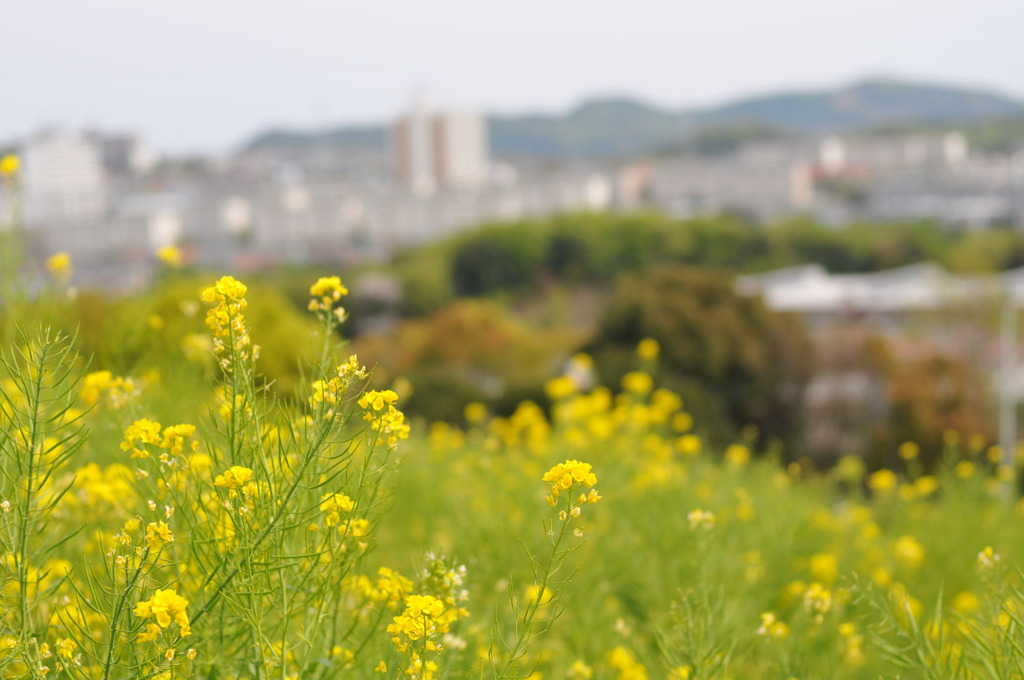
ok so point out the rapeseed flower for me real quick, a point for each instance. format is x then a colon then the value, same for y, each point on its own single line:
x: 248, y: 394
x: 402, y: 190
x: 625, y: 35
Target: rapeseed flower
x: 564, y: 475
x: 883, y: 481
x: 143, y: 431
x: 234, y: 479
x: 772, y: 627
x: 326, y: 293
x: 623, y: 660
x: 637, y: 382
x: 817, y: 601
x: 419, y: 620
x: 333, y: 504
x: 703, y: 520
x: 386, y: 420
x: 167, y: 607
x: 909, y: 450
x: 158, y: 534
x: 988, y: 558
x: 59, y: 265
x: 169, y: 255
x: 648, y: 349
x: 10, y: 165
x: 227, y: 322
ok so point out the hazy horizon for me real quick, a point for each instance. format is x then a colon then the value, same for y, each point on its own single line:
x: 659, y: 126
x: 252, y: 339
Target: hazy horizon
x: 206, y: 77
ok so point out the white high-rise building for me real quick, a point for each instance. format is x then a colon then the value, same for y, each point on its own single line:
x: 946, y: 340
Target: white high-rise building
x: 444, y: 149
x: 414, y: 148
x: 460, y: 149
x: 64, y: 180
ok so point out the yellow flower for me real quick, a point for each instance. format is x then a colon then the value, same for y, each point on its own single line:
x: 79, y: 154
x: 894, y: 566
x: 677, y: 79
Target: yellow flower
x: 326, y: 292
x: 579, y: 670
x: 648, y: 349
x: 167, y: 607
x: 158, y: 534
x: 817, y: 601
x: 964, y: 469
x: 174, y: 437
x: 533, y: 595
x: 909, y: 552
x: 637, y: 382
x: 422, y: 618
x: 376, y: 401
x: 225, y: 319
x: 140, y: 432
x: 227, y: 288
x: 625, y: 662
x: 909, y: 450
x: 333, y: 504
x: 386, y: 421
x: 10, y: 165
x: 65, y: 648
x: 151, y: 633
x: 564, y: 475
x: 701, y: 519
x: 328, y: 286
x: 966, y: 602
x: 883, y: 481
x: 233, y: 478
x: 475, y: 412
x: 560, y: 388
x: 988, y: 558
x: 737, y: 456
x: 59, y: 265
x: 170, y: 255
x: 772, y: 627
x: 824, y: 567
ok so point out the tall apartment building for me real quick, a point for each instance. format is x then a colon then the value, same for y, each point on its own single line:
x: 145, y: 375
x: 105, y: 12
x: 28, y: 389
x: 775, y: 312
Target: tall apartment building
x: 447, y: 149
x: 64, y: 179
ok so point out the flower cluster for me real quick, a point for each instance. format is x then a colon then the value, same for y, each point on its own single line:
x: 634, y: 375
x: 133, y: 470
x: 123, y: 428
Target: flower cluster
x: 235, y: 479
x: 141, y: 432
x: 158, y: 534
x: 225, y: 319
x: 171, y: 440
x: 988, y: 558
x: 327, y: 394
x: 563, y: 477
x: 703, y: 520
x: 326, y: 293
x: 446, y: 582
x: 772, y: 627
x: 167, y: 607
x: 421, y: 620
x: 333, y: 504
x: 386, y: 420
x: 817, y: 601
x: 117, y: 390
x: 390, y: 588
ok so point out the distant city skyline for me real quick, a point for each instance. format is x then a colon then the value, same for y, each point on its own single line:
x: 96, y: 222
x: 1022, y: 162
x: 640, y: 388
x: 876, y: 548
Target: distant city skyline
x: 205, y: 76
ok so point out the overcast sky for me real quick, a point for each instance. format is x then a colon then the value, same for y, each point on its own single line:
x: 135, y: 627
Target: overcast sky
x: 205, y: 74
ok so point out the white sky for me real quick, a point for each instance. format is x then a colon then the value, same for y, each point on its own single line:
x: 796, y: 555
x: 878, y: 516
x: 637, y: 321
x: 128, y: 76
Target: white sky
x: 205, y: 74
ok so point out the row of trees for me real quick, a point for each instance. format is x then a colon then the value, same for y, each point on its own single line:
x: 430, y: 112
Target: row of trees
x: 587, y: 248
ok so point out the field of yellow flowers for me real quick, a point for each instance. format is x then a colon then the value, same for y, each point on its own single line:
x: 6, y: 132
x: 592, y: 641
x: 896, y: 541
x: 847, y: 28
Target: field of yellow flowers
x: 157, y: 527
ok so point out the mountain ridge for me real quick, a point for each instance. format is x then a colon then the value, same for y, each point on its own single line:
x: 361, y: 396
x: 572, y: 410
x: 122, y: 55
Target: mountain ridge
x: 617, y: 126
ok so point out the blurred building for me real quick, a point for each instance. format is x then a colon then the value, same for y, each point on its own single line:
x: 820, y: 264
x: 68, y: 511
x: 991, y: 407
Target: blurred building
x: 435, y: 150
x: 123, y: 154
x: 63, y: 179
